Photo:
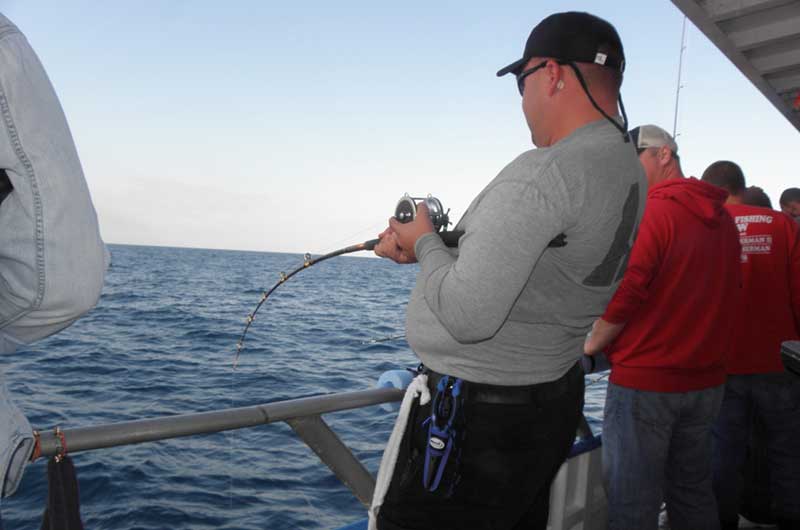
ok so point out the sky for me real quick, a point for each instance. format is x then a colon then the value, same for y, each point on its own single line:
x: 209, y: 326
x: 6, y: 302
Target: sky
x: 297, y: 126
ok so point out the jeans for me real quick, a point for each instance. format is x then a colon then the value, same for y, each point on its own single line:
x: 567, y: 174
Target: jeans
x: 773, y: 399
x: 657, y: 446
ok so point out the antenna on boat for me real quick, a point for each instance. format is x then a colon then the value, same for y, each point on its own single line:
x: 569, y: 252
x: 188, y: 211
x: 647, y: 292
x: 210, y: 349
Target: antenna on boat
x: 680, y: 70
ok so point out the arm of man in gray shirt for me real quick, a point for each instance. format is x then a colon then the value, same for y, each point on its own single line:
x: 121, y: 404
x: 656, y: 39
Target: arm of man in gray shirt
x: 509, y: 226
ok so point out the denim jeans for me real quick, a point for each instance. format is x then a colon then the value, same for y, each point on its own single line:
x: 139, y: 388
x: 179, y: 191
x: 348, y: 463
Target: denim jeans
x: 773, y: 399
x: 657, y: 447
x: 52, y: 259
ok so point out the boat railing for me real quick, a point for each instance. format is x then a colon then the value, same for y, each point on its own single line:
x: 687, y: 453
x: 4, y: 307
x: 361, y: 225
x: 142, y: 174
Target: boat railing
x: 303, y: 415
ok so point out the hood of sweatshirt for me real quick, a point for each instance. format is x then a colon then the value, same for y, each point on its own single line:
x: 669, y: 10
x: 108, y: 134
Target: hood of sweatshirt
x: 705, y: 201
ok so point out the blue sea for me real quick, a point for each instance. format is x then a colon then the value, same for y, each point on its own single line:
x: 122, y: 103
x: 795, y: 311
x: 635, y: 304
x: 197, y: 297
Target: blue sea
x: 162, y: 341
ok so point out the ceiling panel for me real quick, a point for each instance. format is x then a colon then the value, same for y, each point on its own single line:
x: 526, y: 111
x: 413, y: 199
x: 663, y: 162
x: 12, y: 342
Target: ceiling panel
x: 762, y: 38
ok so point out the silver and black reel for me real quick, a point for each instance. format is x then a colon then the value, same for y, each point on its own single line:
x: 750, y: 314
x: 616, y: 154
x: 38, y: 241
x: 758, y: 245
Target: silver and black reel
x: 406, y: 211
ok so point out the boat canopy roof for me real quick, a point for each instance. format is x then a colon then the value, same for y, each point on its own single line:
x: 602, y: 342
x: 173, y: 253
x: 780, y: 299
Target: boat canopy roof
x: 762, y: 38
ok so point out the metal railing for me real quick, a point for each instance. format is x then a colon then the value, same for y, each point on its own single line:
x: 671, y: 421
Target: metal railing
x: 303, y: 415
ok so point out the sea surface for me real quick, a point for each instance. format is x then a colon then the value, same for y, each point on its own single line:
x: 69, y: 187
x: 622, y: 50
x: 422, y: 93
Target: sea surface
x: 162, y: 341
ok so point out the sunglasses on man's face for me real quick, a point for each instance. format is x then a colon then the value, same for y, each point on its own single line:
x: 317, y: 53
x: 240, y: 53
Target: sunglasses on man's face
x: 522, y: 75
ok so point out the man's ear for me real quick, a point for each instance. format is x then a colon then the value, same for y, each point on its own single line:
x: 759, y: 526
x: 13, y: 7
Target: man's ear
x: 555, y: 76
x: 664, y: 155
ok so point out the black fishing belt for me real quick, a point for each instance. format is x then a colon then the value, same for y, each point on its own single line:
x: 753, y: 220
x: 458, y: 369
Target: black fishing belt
x: 505, y: 394
x: 446, y: 426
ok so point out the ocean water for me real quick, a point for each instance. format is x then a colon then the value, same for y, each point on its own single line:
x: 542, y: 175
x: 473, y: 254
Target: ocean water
x: 162, y: 341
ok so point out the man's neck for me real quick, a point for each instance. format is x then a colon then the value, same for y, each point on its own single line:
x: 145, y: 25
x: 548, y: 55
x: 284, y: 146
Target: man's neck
x: 569, y: 126
x: 672, y: 171
x: 580, y: 112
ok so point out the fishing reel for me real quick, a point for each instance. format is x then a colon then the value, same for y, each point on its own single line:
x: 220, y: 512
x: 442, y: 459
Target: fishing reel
x: 406, y: 211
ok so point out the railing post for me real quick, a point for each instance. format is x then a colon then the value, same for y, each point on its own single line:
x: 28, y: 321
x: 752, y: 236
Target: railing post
x: 329, y: 448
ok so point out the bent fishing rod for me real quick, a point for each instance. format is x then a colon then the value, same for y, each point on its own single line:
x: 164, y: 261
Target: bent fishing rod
x: 405, y: 212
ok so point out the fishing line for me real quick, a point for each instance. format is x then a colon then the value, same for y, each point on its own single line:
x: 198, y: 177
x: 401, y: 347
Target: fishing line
x: 405, y: 212
x: 375, y: 228
x: 440, y: 221
x: 383, y: 339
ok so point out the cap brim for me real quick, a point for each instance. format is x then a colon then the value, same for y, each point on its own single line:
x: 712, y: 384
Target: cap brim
x: 514, y: 67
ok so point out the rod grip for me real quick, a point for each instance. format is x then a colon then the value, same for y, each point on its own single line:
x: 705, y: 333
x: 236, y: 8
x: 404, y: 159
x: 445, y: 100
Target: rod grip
x: 451, y: 238
x: 448, y: 238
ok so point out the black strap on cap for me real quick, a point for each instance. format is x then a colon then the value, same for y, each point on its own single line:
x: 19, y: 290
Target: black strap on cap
x: 621, y: 128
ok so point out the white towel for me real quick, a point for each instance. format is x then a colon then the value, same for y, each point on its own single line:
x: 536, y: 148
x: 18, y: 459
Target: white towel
x: 418, y: 387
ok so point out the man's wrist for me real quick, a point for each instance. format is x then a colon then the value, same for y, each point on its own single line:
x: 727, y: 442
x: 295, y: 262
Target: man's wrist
x: 426, y: 243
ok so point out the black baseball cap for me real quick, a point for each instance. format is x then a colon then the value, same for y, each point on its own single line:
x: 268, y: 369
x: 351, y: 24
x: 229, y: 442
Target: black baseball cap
x: 572, y: 36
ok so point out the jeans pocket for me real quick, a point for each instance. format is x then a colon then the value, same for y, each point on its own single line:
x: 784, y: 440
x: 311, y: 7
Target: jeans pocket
x: 650, y: 408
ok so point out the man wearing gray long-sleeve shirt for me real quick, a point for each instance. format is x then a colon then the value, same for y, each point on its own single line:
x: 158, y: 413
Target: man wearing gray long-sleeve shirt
x: 502, y: 319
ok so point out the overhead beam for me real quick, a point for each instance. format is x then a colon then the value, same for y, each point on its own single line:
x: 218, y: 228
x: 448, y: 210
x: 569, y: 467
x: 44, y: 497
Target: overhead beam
x: 763, y: 28
x: 719, y: 10
x: 712, y: 31
x: 786, y: 82
x: 775, y: 58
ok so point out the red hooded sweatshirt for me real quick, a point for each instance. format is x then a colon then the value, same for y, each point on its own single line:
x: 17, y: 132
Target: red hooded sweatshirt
x: 679, y: 294
x: 770, y: 312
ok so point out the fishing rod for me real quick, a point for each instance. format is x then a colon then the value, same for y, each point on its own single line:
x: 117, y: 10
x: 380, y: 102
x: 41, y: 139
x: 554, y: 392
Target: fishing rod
x: 405, y: 212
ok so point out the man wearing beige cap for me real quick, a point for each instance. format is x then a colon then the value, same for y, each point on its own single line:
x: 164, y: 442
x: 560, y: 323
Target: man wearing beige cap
x: 665, y: 333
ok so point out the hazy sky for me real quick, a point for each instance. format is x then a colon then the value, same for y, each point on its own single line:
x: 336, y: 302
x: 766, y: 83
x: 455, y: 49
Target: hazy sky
x: 296, y: 126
